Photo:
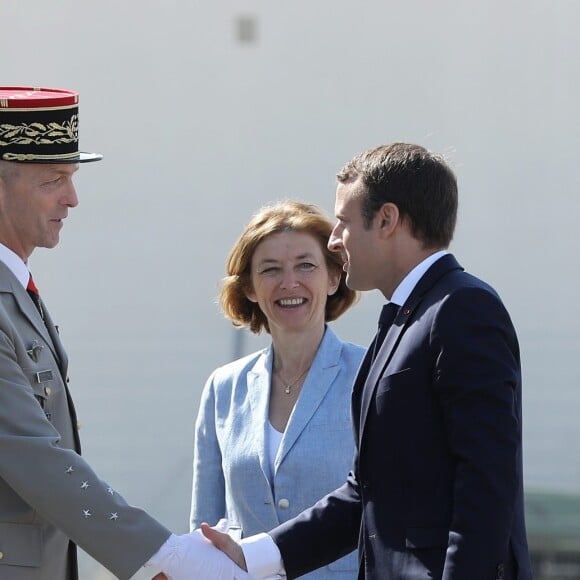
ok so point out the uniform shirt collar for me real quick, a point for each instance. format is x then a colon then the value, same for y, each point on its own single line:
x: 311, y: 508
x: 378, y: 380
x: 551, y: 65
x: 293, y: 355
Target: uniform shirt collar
x: 408, y: 283
x: 15, y: 264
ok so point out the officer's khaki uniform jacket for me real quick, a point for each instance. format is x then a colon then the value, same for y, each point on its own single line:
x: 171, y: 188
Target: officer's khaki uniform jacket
x: 48, y: 493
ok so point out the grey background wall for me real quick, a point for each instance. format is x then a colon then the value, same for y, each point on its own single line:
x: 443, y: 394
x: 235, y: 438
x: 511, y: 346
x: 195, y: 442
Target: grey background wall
x: 199, y: 128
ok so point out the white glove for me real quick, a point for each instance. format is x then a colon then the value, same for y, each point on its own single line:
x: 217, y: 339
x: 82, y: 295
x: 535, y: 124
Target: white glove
x: 193, y: 557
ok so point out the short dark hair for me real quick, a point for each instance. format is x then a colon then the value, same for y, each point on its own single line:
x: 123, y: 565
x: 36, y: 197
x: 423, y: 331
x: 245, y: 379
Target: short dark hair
x: 418, y: 182
x: 284, y: 216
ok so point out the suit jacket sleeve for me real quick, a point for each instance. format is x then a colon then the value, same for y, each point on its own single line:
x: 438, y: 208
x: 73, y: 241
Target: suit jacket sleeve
x: 208, y: 489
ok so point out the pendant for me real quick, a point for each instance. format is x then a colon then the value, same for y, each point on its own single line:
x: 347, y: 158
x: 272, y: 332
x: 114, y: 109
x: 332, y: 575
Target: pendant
x: 287, y: 389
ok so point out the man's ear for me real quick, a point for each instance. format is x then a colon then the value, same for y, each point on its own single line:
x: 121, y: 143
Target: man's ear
x: 387, y: 219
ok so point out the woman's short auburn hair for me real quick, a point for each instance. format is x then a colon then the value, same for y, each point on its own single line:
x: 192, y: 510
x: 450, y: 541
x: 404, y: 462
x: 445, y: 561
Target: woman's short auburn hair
x: 283, y: 216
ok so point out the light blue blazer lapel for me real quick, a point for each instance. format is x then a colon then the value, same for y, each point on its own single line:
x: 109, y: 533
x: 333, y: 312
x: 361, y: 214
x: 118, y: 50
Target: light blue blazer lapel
x: 322, y: 373
x: 258, y: 381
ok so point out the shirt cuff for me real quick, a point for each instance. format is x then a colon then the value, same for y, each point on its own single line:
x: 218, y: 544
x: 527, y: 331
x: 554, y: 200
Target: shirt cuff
x: 263, y: 558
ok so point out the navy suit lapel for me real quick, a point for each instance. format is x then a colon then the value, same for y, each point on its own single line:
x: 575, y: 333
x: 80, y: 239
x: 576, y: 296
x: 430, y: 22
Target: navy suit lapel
x: 379, y: 364
x: 377, y: 369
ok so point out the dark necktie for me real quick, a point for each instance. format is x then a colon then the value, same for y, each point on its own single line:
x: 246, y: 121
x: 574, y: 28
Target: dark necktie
x: 34, y: 295
x: 388, y: 314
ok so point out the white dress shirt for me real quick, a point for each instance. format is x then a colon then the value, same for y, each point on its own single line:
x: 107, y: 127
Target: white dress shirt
x: 15, y: 264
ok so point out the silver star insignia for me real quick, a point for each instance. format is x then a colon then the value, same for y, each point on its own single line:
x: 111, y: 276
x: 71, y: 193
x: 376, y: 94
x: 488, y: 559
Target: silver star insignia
x: 114, y: 516
x: 110, y: 491
x: 87, y: 514
x: 85, y: 485
x: 69, y: 469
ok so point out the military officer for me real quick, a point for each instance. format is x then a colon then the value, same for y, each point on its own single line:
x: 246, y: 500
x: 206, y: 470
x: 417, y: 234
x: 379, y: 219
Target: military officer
x: 50, y: 497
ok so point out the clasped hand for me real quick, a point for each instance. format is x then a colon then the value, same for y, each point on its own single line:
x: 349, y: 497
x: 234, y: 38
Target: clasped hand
x: 196, y: 558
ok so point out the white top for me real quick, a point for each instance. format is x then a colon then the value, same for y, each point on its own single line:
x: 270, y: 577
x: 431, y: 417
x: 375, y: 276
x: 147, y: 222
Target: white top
x: 262, y: 555
x: 273, y: 443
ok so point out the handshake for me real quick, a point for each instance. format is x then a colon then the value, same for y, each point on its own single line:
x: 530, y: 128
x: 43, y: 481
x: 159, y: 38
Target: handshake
x: 206, y: 553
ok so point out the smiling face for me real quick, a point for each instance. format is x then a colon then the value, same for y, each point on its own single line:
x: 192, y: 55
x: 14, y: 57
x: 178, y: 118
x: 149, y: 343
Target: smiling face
x: 291, y: 281
x: 34, y: 199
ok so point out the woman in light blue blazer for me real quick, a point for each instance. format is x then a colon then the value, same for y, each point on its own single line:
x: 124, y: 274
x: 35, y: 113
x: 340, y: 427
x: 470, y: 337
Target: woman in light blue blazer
x: 273, y: 433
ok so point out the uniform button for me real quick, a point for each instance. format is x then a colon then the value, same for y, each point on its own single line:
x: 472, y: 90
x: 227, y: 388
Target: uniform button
x: 79, y: 425
x: 284, y: 503
x: 1, y: 555
x: 68, y: 379
x: 47, y: 391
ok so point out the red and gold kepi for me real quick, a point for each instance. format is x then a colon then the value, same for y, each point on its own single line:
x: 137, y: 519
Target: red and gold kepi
x: 40, y: 126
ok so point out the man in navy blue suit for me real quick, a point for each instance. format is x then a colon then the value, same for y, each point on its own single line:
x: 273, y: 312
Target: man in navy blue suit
x: 436, y: 487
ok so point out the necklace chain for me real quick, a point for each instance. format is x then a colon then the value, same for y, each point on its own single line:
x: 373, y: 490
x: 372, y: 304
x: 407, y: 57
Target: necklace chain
x: 288, y: 386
